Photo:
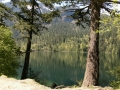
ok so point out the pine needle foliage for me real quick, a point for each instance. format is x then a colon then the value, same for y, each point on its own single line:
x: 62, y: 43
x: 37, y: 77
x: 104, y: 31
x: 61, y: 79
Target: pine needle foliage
x: 30, y: 21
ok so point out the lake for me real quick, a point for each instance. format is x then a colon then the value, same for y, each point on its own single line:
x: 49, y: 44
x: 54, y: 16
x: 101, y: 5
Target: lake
x: 67, y: 68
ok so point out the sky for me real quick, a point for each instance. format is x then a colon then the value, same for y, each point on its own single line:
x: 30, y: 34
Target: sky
x: 4, y: 1
x: 117, y: 7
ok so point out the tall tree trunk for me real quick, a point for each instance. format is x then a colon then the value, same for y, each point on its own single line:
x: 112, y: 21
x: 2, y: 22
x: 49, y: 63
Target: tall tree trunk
x: 91, y: 76
x: 27, y: 57
x: 28, y: 49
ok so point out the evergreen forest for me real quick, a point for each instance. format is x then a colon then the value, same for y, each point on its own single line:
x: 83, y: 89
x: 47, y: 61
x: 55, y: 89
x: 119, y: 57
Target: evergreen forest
x: 67, y: 36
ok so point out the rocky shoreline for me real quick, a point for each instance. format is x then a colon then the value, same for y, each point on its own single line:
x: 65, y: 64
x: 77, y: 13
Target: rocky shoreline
x: 29, y: 84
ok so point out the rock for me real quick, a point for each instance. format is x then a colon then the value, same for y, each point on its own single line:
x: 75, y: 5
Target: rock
x: 54, y: 86
x: 60, y: 87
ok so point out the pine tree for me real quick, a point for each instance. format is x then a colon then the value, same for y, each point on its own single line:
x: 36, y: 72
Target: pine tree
x: 91, y: 14
x: 30, y: 21
x: 92, y: 69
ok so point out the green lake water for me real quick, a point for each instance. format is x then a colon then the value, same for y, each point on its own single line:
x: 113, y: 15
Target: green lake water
x: 68, y: 68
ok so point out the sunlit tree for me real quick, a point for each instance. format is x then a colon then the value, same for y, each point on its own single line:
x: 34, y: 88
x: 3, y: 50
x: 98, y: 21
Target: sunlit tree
x: 89, y: 13
x: 8, y: 55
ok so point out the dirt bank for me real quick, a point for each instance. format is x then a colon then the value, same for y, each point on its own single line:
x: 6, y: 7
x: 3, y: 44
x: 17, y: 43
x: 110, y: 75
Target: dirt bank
x: 29, y: 84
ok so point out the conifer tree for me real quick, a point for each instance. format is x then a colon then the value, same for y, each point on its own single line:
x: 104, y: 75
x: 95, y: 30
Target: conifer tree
x: 90, y: 13
x: 30, y: 21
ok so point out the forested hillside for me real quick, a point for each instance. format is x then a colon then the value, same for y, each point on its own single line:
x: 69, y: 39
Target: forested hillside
x: 66, y: 36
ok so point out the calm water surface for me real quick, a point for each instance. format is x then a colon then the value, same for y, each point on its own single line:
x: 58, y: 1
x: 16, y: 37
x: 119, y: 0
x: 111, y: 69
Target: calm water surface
x: 67, y: 68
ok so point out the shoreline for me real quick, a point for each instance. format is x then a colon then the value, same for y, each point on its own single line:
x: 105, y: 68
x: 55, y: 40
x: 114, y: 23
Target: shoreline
x: 7, y: 83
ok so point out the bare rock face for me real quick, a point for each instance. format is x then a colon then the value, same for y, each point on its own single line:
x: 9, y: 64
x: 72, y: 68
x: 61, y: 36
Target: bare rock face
x: 29, y: 84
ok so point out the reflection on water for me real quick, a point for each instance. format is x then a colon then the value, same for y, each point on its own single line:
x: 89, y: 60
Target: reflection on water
x: 68, y: 67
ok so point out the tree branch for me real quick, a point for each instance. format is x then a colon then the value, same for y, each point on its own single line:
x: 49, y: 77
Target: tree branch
x: 107, y: 9
x: 117, y: 2
x: 73, y: 10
